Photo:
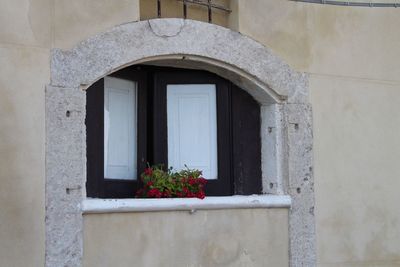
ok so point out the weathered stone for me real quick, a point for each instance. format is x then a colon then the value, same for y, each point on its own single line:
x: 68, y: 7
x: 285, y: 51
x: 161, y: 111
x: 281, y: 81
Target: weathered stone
x: 65, y: 173
x: 301, y: 185
x: 286, y: 119
x: 130, y: 43
x: 273, y: 150
x: 168, y: 28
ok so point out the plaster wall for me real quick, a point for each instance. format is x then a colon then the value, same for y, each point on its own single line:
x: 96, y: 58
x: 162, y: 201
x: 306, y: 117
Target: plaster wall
x: 323, y: 39
x: 30, y: 28
x: 351, y: 54
x: 204, y: 238
x: 22, y: 75
x: 173, y: 9
x: 352, y: 57
x: 25, y: 37
x: 357, y: 200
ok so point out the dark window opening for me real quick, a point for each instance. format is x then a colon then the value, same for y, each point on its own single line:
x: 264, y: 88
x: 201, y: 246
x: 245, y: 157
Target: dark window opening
x: 157, y: 115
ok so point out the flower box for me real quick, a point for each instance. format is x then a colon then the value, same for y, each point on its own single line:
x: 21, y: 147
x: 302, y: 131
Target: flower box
x: 158, y: 183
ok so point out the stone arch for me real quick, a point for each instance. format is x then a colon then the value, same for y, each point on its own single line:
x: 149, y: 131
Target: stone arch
x: 200, y: 42
x: 282, y: 92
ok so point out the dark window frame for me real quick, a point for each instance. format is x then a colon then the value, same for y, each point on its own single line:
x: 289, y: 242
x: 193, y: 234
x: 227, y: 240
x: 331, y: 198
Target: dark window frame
x: 97, y: 184
x: 238, y: 132
x: 223, y: 186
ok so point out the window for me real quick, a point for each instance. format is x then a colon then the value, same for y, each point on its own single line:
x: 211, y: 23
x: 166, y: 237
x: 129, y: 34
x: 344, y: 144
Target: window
x: 173, y: 117
x: 120, y: 129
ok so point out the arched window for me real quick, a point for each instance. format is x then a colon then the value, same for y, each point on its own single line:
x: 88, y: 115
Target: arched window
x: 174, y: 117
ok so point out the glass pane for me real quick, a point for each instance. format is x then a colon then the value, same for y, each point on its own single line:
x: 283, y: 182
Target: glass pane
x: 192, y: 128
x: 120, y: 129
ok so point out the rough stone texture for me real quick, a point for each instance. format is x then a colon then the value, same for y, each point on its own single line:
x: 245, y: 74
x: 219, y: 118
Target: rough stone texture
x: 128, y: 43
x: 301, y: 185
x: 168, y: 28
x: 198, y: 45
x: 273, y: 153
x: 65, y: 173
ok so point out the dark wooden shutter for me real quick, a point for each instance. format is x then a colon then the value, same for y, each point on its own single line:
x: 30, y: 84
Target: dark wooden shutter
x: 246, y: 143
x: 95, y: 139
x: 97, y: 185
x: 224, y: 185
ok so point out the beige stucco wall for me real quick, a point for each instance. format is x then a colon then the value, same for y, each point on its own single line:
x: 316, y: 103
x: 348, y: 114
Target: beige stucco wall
x: 24, y: 60
x: 357, y: 175
x: 353, y: 59
x: 174, y: 9
x: 30, y: 28
x: 248, y: 237
x: 22, y: 75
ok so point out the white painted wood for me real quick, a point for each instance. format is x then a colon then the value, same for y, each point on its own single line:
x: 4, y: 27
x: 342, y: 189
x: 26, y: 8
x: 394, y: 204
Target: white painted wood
x: 186, y: 204
x: 120, y: 129
x: 192, y: 128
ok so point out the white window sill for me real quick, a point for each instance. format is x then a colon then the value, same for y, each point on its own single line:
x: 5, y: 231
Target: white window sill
x: 184, y: 204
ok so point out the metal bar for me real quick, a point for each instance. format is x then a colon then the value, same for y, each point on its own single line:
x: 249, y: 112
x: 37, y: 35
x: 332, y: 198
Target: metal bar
x: 348, y: 3
x: 201, y: 3
x: 184, y: 9
x: 159, y: 8
x: 209, y: 12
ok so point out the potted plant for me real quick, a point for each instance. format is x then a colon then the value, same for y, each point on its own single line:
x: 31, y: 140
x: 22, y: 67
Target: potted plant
x: 158, y: 183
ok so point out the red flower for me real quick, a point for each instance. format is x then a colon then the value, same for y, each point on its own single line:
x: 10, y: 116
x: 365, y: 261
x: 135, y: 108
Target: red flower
x: 200, y: 195
x: 159, y: 183
x: 167, y: 194
x: 148, y: 171
x: 154, y: 193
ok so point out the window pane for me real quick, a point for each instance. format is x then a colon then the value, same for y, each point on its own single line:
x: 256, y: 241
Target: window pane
x: 120, y: 129
x: 192, y: 128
